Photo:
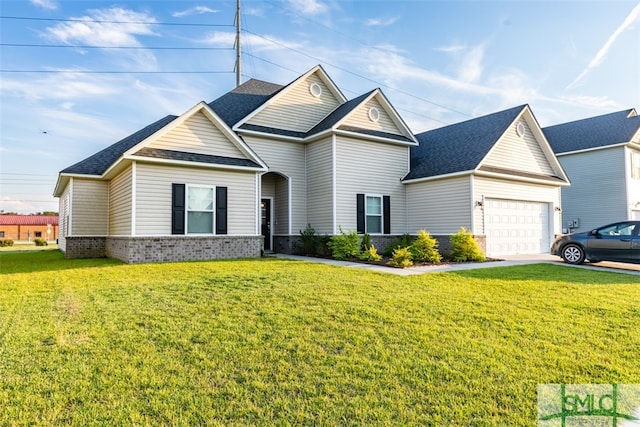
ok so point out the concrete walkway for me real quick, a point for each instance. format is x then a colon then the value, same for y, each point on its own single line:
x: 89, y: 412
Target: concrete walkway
x: 506, y: 262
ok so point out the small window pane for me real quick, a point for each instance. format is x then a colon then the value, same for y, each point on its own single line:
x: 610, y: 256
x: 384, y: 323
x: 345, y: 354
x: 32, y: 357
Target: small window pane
x: 200, y: 199
x: 374, y: 224
x: 200, y: 222
x: 374, y: 205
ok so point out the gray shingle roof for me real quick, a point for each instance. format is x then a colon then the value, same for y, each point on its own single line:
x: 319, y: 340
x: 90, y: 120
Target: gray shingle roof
x: 98, y: 163
x: 235, y: 105
x: 458, y: 147
x: 594, y: 132
x: 195, y: 157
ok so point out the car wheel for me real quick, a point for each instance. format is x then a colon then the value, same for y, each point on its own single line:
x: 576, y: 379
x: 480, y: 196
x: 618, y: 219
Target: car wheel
x: 573, y: 254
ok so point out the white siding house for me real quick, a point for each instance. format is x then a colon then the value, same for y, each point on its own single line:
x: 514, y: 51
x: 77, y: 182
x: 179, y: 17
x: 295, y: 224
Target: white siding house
x: 601, y: 157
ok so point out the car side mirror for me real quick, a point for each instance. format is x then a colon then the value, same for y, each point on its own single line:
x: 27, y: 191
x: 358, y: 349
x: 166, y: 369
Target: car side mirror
x: 594, y: 232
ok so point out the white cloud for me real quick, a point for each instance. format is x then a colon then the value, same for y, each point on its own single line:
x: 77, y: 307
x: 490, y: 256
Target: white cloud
x: 68, y: 86
x: 379, y: 22
x: 602, y: 53
x: 198, y: 10
x: 117, y: 27
x: 307, y: 7
x: 471, y: 66
x: 45, y: 4
x: 257, y: 43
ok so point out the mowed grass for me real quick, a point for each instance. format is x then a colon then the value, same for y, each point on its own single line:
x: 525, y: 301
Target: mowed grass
x: 277, y: 342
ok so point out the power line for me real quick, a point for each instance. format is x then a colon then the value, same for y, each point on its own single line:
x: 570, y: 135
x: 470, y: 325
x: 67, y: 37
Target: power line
x: 113, y: 72
x: 359, y: 75
x: 112, y: 47
x: 98, y: 21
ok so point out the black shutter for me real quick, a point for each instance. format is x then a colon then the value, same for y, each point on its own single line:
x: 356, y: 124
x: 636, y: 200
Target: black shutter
x: 177, y: 208
x: 360, y: 212
x: 221, y: 210
x: 386, y: 214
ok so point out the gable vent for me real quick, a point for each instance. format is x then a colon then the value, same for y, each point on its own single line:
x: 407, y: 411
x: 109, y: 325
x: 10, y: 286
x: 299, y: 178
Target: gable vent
x: 315, y: 90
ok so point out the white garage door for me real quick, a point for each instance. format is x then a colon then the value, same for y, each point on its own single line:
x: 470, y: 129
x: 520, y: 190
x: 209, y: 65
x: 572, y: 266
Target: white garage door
x: 516, y: 227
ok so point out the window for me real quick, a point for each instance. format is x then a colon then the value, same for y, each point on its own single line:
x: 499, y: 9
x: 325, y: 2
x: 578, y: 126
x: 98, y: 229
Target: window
x: 373, y: 214
x: 200, y: 210
x: 635, y: 165
x: 622, y: 229
x: 1, y: 234
x: 37, y: 234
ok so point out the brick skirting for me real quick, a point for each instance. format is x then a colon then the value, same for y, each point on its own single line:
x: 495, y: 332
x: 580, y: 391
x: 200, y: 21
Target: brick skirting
x: 136, y: 250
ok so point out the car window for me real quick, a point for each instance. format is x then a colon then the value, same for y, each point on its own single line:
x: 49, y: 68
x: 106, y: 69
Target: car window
x: 624, y: 229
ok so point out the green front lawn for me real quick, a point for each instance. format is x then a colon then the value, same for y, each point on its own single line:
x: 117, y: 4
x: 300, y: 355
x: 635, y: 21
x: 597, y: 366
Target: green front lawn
x: 96, y: 342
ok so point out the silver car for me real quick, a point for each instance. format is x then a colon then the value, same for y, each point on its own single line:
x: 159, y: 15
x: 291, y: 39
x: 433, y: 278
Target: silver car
x: 618, y: 242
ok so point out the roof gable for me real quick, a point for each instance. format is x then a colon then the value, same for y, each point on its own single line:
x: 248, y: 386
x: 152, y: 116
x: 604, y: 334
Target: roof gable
x: 489, y: 143
x: 375, y: 114
x: 519, y: 152
x: 595, y: 132
x: 458, y: 147
x: 200, y: 135
x: 299, y: 106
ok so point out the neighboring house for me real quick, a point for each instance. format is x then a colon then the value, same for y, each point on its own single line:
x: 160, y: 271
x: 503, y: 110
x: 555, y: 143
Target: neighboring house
x: 249, y: 170
x: 495, y: 175
x: 601, y: 156
x: 28, y: 227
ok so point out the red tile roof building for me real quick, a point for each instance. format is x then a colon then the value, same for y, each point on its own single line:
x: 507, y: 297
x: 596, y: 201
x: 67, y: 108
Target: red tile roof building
x: 28, y: 227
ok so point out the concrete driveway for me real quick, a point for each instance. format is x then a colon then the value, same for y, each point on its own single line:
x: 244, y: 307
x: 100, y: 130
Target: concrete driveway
x: 505, y: 262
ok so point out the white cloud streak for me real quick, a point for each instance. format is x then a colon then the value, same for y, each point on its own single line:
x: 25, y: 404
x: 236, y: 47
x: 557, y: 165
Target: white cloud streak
x: 198, y: 10
x: 307, y: 7
x: 380, y: 22
x: 45, y: 4
x: 108, y: 33
x: 602, y: 53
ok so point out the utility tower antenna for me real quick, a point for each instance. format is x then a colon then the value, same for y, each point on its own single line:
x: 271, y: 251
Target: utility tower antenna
x: 238, y: 67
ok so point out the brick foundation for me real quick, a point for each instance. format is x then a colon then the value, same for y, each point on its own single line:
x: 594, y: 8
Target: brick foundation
x: 136, y: 250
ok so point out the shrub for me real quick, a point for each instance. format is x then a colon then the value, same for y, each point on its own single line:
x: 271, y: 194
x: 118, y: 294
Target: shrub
x: 5, y: 243
x: 464, y: 247
x: 345, y: 245
x: 40, y: 242
x: 366, y: 242
x: 311, y: 243
x: 370, y: 254
x: 401, y: 258
x: 403, y: 242
x: 425, y: 249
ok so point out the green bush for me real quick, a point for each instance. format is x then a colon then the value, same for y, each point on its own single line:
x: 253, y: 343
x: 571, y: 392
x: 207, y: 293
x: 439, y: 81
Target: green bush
x: 401, y: 258
x: 465, y: 248
x: 40, y: 242
x: 370, y: 254
x: 366, y: 242
x: 425, y: 249
x: 5, y: 243
x: 311, y: 243
x: 403, y: 242
x: 345, y: 245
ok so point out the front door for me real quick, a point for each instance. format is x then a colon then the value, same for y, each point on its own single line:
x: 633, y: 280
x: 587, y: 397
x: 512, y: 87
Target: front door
x: 265, y: 214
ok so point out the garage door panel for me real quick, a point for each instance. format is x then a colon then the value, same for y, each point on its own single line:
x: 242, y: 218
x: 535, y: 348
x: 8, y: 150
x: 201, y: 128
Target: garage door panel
x: 516, y: 227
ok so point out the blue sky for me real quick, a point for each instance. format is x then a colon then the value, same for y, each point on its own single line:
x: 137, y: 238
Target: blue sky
x: 438, y: 62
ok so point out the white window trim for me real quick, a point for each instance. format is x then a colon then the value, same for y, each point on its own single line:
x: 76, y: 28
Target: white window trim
x: 366, y: 214
x: 187, y: 210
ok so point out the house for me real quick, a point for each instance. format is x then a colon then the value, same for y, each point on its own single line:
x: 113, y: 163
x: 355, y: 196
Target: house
x: 29, y: 227
x: 244, y: 172
x: 250, y: 170
x: 601, y: 155
x: 495, y: 175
